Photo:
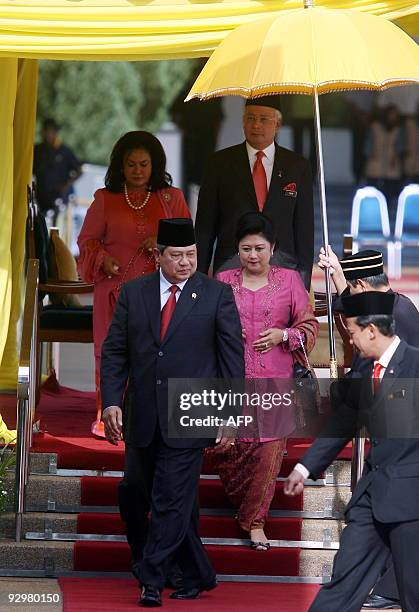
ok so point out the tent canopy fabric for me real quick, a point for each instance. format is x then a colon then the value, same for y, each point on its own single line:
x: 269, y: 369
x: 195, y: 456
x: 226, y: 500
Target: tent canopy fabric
x: 145, y: 30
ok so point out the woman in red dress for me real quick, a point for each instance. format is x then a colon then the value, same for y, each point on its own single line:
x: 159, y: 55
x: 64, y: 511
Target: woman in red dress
x: 119, y: 232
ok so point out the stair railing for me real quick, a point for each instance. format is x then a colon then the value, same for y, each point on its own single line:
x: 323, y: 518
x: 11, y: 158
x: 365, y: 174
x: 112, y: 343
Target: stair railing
x: 26, y: 390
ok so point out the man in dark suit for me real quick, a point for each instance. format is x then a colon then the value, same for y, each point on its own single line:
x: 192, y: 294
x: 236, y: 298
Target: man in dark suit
x: 364, y: 271
x: 56, y: 168
x: 176, y: 323
x: 259, y: 175
x: 383, y: 514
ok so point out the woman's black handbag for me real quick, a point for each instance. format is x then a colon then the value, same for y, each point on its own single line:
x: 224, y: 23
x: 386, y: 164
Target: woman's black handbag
x: 306, y: 384
x: 304, y: 376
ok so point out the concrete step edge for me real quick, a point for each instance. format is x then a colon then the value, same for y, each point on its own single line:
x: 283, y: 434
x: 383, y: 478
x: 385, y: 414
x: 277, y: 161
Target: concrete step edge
x: 95, y: 537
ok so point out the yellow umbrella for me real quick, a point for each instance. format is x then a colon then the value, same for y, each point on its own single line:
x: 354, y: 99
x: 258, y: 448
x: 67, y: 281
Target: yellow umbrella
x: 312, y: 51
x: 303, y: 51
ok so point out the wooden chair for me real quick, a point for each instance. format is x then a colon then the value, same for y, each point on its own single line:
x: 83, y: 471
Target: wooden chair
x: 57, y: 323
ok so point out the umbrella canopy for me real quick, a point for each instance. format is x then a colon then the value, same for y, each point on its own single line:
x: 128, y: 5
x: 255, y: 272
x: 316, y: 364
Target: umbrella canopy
x: 303, y: 50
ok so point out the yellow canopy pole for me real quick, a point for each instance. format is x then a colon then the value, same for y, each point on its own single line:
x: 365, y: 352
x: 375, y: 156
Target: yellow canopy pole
x: 8, y: 76
x: 17, y: 124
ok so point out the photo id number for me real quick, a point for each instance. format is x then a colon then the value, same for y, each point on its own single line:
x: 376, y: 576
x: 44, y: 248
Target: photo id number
x: 38, y: 598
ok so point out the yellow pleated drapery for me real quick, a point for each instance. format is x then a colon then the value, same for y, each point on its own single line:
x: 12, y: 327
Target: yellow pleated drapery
x: 102, y: 30
x: 149, y: 29
x: 17, y: 124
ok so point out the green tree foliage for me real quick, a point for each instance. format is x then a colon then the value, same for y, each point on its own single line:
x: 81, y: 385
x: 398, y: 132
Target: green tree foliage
x: 93, y: 102
x: 162, y: 81
x: 96, y: 102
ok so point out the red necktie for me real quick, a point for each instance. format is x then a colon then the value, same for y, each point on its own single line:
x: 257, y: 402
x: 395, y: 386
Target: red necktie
x: 376, y: 380
x: 167, y: 311
x: 259, y: 180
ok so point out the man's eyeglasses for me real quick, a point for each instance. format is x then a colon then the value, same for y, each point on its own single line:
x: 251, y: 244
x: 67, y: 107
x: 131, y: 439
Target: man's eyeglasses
x: 178, y: 257
x: 255, y: 119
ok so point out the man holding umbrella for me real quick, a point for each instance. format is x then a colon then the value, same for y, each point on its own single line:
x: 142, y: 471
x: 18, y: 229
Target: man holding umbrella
x: 357, y: 273
x: 364, y: 271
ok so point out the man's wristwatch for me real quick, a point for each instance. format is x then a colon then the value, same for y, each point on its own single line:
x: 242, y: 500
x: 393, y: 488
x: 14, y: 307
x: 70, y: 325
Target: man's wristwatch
x: 285, y: 335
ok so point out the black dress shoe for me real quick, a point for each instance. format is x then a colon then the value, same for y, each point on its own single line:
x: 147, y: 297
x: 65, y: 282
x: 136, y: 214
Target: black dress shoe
x: 377, y: 602
x: 150, y: 596
x: 192, y: 592
x: 174, y: 581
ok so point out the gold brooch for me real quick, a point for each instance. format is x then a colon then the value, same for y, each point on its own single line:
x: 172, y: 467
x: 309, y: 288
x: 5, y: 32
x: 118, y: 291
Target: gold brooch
x: 167, y: 196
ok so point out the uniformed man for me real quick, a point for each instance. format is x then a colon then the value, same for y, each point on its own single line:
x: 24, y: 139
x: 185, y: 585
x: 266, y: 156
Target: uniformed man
x: 383, y: 514
x: 364, y: 271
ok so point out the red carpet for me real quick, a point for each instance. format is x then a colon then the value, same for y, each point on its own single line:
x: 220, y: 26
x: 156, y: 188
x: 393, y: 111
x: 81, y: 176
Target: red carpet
x: 66, y: 416
x: 90, y: 594
x: 8, y: 409
x: 209, y: 526
x: 115, y: 557
x: 96, y: 490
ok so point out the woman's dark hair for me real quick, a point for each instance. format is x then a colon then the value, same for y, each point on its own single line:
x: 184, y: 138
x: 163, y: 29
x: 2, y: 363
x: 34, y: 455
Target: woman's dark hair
x: 130, y: 141
x: 253, y: 223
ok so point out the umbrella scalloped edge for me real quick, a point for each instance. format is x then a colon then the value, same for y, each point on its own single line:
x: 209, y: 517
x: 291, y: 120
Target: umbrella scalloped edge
x: 301, y: 88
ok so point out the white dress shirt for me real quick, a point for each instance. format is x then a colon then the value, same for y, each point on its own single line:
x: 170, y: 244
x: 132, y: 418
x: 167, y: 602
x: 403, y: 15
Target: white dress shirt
x: 164, y: 296
x: 165, y: 289
x: 383, y: 361
x: 267, y: 160
x: 387, y: 355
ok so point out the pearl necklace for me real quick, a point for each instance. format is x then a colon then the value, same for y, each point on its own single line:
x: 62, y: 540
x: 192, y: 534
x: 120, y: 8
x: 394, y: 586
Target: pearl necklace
x: 133, y: 206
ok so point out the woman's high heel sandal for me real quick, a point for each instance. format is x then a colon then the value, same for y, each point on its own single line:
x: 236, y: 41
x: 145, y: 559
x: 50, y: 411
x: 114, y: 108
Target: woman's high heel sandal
x: 259, y: 546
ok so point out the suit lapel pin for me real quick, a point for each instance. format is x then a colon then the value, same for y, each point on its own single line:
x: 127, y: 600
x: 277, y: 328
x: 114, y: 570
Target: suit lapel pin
x: 280, y: 174
x: 193, y: 296
x: 391, y: 371
x: 290, y: 190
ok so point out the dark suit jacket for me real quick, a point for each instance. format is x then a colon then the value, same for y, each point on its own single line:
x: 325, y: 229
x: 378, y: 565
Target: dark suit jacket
x: 391, y: 471
x: 203, y: 341
x: 227, y: 192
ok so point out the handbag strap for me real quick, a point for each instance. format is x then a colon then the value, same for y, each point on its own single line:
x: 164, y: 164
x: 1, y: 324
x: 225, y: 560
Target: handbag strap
x: 304, y: 350
x: 137, y: 254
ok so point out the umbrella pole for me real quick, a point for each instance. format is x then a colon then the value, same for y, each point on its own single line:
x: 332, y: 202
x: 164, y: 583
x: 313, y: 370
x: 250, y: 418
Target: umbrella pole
x: 323, y: 209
